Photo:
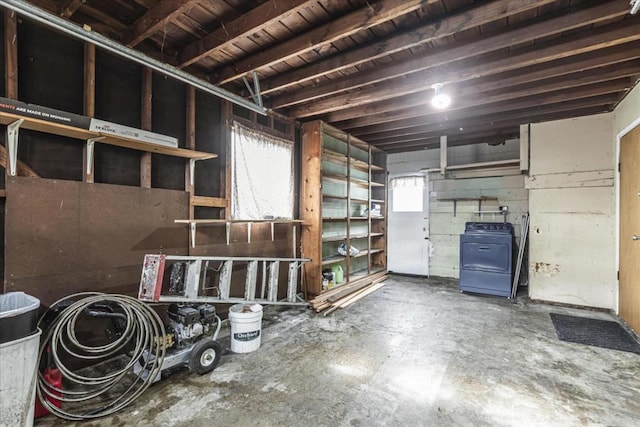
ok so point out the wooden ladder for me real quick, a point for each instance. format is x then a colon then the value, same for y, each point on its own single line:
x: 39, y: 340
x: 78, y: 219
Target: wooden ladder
x: 190, y: 279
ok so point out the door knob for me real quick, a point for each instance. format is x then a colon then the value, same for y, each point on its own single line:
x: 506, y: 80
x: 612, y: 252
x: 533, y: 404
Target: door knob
x: 634, y: 237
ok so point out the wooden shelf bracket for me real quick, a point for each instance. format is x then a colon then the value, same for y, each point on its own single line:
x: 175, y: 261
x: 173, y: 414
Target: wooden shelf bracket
x: 194, y: 223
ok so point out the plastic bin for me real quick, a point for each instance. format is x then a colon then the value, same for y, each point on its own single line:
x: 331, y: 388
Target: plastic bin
x: 18, y: 316
x: 18, y: 378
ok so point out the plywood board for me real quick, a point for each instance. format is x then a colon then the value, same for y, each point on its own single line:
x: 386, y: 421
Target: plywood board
x: 64, y: 237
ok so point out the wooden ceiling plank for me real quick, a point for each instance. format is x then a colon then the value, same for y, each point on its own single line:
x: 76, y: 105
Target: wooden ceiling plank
x: 451, y: 136
x: 253, y: 21
x: 457, y: 52
x: 69, y: 7
x: 447, y: 26
x: 587, y: 61
x: 498, y: 135
x: 154, y: 19
x: 478, y: 117
x: 564, y: 95
x: 361, y: 19
x: 504, y: 125
x: 595, y: 40
x: 475, y: 93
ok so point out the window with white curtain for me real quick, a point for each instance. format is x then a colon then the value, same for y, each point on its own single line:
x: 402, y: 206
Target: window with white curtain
x: 407, y: 193
x: 262, y: 175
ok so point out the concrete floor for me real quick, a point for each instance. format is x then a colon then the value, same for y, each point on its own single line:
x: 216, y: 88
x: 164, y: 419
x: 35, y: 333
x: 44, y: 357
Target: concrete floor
x: 417, y: 352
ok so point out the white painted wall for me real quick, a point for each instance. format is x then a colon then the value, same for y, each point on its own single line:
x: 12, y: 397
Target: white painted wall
x: 572, y: 206
x: 444, y: 227
x: 627, y: 112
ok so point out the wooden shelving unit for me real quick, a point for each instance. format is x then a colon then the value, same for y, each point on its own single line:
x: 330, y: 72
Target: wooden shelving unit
x: 343, y: 179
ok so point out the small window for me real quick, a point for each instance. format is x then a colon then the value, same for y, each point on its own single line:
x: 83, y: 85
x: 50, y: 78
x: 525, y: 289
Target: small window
x: 407, y: 193
x: 262, y: 175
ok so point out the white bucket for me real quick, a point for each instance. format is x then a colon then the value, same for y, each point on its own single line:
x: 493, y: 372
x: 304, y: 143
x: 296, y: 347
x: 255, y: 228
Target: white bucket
x: 18, y: 377
x: 246, y: 327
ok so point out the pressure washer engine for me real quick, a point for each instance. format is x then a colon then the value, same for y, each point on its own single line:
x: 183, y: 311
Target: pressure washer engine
x: 190, y: 341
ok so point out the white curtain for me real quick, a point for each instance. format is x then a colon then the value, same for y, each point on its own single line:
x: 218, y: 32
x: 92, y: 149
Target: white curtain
x: 262, y: 175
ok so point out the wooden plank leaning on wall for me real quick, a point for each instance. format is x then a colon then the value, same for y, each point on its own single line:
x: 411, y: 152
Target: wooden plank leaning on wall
x: 190, y: 138
x: 89, y: 101
x: 145, y: 158
x: 11, y: 54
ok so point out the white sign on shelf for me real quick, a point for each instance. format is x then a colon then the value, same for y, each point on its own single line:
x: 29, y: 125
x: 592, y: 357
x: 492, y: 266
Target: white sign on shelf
x: 132, y: 133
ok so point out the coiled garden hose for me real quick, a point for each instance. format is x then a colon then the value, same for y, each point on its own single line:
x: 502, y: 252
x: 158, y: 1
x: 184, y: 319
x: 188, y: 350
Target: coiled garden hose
x: 87, y: 396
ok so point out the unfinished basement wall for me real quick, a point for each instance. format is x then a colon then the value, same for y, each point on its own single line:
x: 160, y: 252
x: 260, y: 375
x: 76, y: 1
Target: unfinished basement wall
x: 571, y: 200
x: 445, y: 226
x: 64, y: 235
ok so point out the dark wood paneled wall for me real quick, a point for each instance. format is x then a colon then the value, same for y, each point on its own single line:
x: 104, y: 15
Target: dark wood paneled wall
x: 65, y: 237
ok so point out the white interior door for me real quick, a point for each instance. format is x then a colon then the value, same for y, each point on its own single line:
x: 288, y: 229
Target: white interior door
x: 408, y: 244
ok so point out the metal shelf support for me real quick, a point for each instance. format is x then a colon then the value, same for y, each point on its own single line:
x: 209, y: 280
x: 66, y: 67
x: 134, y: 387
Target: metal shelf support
x: 12, y: 145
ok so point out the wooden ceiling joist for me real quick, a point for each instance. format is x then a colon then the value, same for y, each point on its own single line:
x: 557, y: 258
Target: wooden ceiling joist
x: 503, y: 127
x: 503, y: 134
x: 154, y: 19
x: 448, y: 54
x: 368, y: 66
x: 428, y: 123
x: 469, y: 18
x: 582, y: 63
x: 69, y: 7
x: 479, y: 93
x: 253, y: 21
x: 474, y: 120
x: 559, y: 48
x: 361, y: 19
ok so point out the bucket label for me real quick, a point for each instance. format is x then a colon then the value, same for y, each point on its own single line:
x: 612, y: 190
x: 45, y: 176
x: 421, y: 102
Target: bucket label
x: 246, y: 336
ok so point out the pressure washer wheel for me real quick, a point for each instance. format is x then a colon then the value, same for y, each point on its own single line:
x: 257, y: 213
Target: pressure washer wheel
x: 205, y: 356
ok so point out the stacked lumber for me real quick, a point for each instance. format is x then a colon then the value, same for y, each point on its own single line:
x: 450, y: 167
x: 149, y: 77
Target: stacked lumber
x: 345, y: 295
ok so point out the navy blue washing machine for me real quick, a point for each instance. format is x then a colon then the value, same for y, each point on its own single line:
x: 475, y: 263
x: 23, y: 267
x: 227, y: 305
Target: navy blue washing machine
x: 486, y: 258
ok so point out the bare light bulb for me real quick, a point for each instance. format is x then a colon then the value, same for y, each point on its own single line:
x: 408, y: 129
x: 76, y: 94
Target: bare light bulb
x: 440, y: 100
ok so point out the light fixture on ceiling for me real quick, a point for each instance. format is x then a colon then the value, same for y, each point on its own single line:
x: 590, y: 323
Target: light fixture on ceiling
x: 635, y: 6
x: 440, y: 100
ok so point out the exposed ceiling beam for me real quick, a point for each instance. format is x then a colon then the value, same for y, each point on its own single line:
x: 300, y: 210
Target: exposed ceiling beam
x: 560, y: 67
x: 251, y: 22
x: 475, y: 119
x: 154, y: 19
x: 69, y: 7
x: 59, y: 24
x: 430, y: 119
x: 366, y: 17
x: 510, y: 130
x: 559, y: 48
x: 494, y: 136
x: 504, y: 127
x: 479, y: 93
x: 447, y: 54
x: 469, y: 18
